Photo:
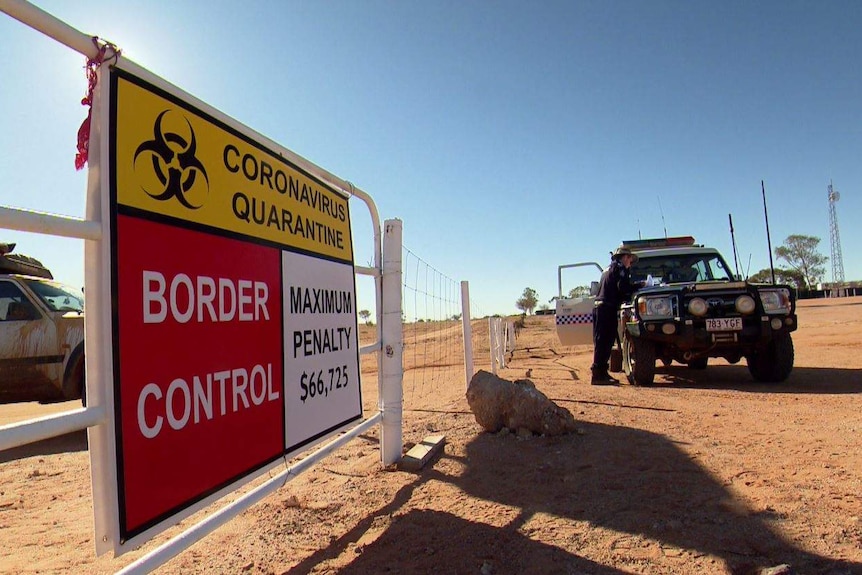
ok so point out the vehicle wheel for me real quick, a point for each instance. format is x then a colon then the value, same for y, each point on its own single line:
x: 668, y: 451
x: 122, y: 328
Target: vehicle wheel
x: 698, y: 363
x: 639, y: 361
x: 73, y: 383
x: 774, y: 363
x: 616, y: 360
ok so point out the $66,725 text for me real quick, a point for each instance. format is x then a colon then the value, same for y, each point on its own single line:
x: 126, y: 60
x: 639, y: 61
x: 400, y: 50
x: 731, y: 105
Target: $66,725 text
x: 320, y: 383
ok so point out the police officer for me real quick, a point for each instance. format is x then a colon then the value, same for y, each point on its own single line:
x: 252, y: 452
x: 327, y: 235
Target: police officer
x: 615, y: 288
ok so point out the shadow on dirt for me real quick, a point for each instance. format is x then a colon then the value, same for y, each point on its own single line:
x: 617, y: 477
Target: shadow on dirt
x: 75, y: 441
x: 819, y: 380
x: 43, y: 393
x: 636, y: 482
x: 422, y: 537
x: 420, y: 541
x: 653, y: 499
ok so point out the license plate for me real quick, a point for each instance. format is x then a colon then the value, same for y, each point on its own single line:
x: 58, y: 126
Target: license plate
x: 724, y: 324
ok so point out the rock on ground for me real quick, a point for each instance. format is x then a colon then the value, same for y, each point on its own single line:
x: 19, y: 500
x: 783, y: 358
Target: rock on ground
x: 498, y: 403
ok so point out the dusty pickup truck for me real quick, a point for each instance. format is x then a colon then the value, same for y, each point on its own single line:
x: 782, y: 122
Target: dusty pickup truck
x: 41, y: 331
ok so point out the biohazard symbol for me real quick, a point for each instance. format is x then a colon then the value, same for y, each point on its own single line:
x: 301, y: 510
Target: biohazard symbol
x: 174, y: 165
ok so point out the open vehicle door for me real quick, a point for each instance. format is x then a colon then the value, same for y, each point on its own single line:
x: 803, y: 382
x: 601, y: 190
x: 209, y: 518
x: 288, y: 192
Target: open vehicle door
x: 574, y: 316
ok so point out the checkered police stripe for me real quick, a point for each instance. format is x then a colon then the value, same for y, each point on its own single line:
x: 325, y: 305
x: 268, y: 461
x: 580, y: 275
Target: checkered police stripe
x: 576, y: 319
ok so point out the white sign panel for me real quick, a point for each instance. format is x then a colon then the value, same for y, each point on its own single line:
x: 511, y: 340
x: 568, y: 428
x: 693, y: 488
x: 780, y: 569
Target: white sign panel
x: 321, y: 372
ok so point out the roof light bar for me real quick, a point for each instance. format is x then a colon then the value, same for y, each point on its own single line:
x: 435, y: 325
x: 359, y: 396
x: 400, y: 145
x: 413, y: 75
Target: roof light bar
x: 659, y: 242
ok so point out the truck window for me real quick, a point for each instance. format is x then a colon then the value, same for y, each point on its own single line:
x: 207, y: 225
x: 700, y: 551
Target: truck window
x: 677, y: 268
x: 14, y: 305
x: 57, y: 296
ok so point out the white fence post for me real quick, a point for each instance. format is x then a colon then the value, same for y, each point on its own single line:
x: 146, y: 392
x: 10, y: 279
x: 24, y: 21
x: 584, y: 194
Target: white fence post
x: 492, y: 342
x: 467, y: 330
x: 391, y: 368
x: 501, y: 342
x: 497, y: 339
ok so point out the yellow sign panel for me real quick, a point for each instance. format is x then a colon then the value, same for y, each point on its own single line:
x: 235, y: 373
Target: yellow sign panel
x: 176, y: 162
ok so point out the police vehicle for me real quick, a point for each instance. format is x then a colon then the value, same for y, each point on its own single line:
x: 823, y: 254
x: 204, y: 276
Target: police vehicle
x: 691, y: 308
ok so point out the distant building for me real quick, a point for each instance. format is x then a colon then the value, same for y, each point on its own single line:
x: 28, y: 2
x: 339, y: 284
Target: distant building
x: 836, y: 289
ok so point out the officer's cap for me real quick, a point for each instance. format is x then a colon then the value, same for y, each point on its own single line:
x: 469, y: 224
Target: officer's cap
x: 624, y: 251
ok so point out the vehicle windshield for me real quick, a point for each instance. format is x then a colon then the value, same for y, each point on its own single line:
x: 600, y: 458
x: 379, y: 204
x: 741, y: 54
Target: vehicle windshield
x: 57, y: 296
x: 675, y: 268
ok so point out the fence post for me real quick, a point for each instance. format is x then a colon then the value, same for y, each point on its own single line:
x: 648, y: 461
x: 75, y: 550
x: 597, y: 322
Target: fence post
x: 501, y: 342
x: 498, y: 343
x: 391, y: 369
x: 467, y: 329
x: 491, y: 342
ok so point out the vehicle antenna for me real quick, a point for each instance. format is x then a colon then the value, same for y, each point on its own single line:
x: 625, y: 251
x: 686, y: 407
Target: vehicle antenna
x: 660, y: 211
x: 768, y: 239
x: 733, y: 241
x: 748, y: 269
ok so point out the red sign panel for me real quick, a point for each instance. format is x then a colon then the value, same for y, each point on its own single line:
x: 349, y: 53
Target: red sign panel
x: 200, y: 365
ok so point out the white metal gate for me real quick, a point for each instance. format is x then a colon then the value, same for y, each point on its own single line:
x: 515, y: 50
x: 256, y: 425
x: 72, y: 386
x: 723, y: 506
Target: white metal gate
x: 97, y: 416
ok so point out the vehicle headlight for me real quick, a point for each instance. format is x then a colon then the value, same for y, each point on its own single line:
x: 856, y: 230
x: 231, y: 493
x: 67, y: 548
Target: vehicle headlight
x: 745, y: 304
x: 655, y: 307
x: 775, y: 300
x: 698, y: 306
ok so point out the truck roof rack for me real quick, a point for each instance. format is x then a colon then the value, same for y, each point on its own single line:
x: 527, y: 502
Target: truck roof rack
x: 673, y: 242
x: 20, y: 264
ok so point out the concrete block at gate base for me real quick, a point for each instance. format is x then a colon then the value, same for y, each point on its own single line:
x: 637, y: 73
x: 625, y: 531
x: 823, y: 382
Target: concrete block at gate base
x: 422, y: 453
x: 498, y: 403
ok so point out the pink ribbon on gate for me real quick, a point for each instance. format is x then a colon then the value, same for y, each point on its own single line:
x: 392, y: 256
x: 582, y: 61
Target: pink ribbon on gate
x: 92, y: 78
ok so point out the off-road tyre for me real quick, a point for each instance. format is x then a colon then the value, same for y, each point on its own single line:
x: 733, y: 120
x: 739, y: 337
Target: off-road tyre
x: 616, y: 360
x: 74, y: 386
x: 774, y: 363
x: 639, y: 361
x: 698, y: 363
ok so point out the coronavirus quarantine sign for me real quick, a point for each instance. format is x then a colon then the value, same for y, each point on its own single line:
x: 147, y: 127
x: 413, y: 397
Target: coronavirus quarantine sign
x: 233, y: 305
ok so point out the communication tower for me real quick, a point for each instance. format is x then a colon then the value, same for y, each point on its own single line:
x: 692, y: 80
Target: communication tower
x: 835, y: 237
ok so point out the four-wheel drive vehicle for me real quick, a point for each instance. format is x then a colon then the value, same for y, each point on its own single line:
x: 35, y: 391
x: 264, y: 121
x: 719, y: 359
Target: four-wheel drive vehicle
x: 41, y: 329
x: 693, y: 308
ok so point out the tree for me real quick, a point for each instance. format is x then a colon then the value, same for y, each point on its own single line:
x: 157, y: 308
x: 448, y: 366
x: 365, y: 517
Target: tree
x: 527, y: 301
x: 575, y: 292
x: 782, y: 276
x: 800, y: 252
x: 579, y: 291
x: 365, y: 314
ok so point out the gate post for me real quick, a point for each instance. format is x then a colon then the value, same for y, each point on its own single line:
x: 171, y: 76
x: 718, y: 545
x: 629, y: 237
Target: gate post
x: 391, y: 370
x: 467, y: 330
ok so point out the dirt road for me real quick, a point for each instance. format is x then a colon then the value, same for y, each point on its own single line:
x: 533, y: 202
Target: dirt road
x: 706, y: 472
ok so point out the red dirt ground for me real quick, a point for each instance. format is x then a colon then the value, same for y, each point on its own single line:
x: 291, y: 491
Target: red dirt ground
x: 706, y: 472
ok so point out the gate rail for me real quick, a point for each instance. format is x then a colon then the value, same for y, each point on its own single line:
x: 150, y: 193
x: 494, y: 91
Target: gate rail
x: 386, y: 271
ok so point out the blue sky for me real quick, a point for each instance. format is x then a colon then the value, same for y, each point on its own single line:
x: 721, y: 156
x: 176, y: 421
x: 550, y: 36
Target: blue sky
x: 510, y: 137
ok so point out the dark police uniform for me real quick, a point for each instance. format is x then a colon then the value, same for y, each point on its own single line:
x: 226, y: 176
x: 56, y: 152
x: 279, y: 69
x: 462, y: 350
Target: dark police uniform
x: 615, y: 288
